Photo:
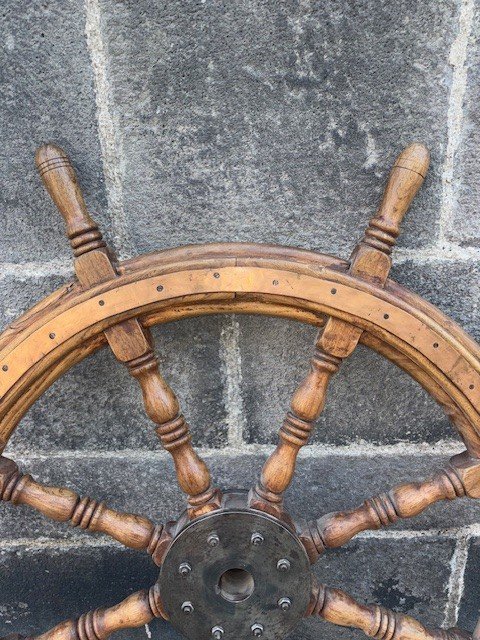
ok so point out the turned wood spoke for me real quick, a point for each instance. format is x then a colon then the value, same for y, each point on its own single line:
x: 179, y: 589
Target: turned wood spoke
x: 65, y: 505
x: 129, y: 340
x: 135, y: 611
x: 459, y: 478
x: 375, y: 621
x: 370, y: 261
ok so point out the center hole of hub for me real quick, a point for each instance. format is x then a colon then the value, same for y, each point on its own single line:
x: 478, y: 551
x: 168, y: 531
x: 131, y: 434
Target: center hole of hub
x: 236, y: 585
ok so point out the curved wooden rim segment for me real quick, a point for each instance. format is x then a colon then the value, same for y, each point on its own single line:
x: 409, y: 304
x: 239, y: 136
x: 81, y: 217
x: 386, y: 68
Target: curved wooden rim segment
x: 277, y: 281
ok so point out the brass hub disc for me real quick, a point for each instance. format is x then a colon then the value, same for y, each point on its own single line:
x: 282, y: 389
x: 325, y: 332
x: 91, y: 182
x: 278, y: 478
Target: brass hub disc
x: 235, y: 573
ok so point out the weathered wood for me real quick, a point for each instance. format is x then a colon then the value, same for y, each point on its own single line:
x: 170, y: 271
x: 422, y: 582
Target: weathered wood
x: 130, y: 342
x: 65, y: 505
x: 123, y: 300
x: 135, y: 611
x: 34, y: 360
x: 338, y: 607
x: 461, y: 477
x: 370, y: 261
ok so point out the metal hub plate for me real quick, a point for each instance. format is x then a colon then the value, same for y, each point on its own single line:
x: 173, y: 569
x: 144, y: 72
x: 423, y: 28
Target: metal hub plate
x: 235, y: 573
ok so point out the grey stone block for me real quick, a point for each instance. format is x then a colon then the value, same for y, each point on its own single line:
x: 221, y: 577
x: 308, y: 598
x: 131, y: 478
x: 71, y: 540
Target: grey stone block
x: 146, y: 485
x: 275, y: 122
x: 372, y: 572
x: 75, y: 580
x: 369, y: 399
x: 48, y: 95
x: 40, y: 588
x: 19, y: 293
x: 469, y: 614
x: 464, y: 226
x: 97, y: 405
x: 450, y: 285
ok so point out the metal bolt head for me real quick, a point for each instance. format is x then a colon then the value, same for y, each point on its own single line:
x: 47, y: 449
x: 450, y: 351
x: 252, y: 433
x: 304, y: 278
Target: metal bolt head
x: 217, y: 632
x: 213, y: 540
x: 283, y: 564
x: 187, y: 607
x: 257, y: 630
x: 257, y: 539
x: 284, y: 604
x: 184, y: 569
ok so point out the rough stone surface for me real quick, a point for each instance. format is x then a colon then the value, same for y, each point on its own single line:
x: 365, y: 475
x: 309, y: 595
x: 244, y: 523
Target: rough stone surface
x: 97, y: 405
x: 250, y: 121
x: 369, y: 399
x: 274, y: 122
x: 464, y: 225
x: 469, y: 614
x: 450, y: 285
x: 47, y: 95
x: 19, y: 292
x: 144, y: 484
x: 74, y: 580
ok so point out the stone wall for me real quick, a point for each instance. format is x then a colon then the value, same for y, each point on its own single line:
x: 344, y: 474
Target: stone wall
x: 269, y: 121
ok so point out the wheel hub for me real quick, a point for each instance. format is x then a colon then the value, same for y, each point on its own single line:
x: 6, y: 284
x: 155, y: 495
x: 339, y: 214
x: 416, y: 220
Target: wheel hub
x: 235, y: 573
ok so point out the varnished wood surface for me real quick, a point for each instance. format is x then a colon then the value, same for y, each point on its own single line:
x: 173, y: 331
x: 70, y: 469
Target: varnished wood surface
x: 80, y: 316
x: 65, y: 505
x: 135, y: 611
x: 459, y: 478
x: 338, y: 607
x: 130, y: 341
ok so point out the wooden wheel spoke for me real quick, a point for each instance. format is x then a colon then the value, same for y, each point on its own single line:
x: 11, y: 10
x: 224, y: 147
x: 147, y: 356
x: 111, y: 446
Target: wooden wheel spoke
x: 129, y: 340
x: 459, y: 478
x: 65, y: 505
x: 162, y: 407
x: 135, y: 611
x: 341, y: 609
x: 370, y: 261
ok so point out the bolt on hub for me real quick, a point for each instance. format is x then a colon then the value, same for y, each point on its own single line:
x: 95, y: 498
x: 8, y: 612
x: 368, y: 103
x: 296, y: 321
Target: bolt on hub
x: 253, y: 581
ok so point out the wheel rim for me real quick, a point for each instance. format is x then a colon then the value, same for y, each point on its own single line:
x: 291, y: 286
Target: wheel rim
x: 236, y: 564
x: 303, y: 292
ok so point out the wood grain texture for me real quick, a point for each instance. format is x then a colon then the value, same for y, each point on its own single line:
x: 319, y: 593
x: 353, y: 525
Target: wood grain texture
x: 338, y: 607
x: 460, y: 478
x: 352, y: 303
x: 60, y: 180
x: 64, y: 505
x: 34, y: 361
x: 135, y: 611
x: 371, y: 262
x: 131, y: 343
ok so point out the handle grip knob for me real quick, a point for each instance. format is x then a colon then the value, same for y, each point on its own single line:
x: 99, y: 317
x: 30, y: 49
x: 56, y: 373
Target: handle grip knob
x: 371, y: 259
x: 60, y: 180
x: 406, y: 178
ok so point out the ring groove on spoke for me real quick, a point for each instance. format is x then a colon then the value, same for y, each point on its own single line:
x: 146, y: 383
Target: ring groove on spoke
x: 459, y: 478
x: 371, y: 262
x: 375, y: 621
x: 65, y: 505
x: 135, y: 611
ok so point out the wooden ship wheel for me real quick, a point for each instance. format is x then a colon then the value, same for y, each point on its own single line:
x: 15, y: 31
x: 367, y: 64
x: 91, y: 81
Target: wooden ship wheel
x: 235, y: 564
